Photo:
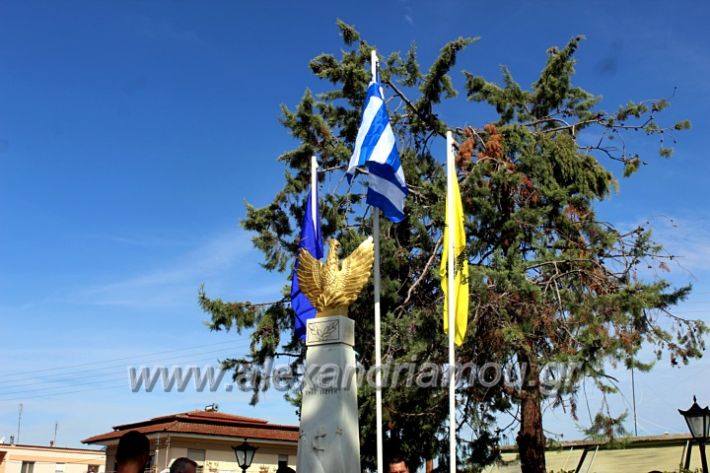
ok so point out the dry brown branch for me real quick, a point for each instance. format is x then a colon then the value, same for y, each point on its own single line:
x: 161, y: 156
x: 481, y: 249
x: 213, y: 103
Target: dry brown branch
x: 418, y: 281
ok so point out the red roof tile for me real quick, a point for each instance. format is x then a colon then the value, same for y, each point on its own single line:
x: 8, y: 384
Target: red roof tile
x: 208, y: 423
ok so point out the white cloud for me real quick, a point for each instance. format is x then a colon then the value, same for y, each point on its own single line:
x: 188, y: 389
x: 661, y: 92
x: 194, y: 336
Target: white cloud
x: 139, y: 240
x: 688, y: 240
x: 172, y: 283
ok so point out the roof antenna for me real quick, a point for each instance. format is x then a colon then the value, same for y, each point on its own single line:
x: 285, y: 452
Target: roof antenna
x: 53, y: 443
x: 19, y: 422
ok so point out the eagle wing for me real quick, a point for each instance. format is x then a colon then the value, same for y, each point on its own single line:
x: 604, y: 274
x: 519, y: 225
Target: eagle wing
x: 309, y: 275
x: 355, y: 271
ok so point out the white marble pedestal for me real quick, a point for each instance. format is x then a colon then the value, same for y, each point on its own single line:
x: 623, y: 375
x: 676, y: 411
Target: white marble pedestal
x: 329, y: 435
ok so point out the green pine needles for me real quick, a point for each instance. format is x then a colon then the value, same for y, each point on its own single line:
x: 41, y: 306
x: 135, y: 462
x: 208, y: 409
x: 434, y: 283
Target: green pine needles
x: 555, y: 292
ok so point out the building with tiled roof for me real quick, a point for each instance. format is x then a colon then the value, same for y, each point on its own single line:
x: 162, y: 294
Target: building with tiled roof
x: 15, y: 458
x: 207, y: 437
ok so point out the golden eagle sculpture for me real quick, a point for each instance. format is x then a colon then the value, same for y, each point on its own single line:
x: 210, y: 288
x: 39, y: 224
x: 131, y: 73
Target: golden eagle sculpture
x: 334, y: 285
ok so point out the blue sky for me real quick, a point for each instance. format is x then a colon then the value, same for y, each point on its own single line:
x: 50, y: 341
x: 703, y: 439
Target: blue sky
x: 132, y: 132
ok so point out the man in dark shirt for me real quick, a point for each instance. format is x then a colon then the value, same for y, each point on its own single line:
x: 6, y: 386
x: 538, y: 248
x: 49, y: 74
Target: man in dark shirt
x: 133, y: 452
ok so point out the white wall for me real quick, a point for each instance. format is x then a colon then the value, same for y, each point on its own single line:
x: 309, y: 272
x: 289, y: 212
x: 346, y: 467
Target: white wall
x: 219, y: 456
x: 46, y: 459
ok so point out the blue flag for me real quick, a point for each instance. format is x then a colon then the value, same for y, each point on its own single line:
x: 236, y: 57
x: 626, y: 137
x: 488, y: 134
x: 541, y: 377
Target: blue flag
x: 376, y: 148
x: 312, y: 241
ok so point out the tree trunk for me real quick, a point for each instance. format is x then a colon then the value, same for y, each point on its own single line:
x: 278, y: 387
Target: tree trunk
x: 531, y: 439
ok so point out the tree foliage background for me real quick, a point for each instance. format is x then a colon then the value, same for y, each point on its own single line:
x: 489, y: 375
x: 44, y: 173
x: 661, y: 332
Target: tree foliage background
x: 549, y: 281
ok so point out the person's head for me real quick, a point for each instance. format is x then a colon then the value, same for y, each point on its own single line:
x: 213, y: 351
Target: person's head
x: 397, y: 464
x: 284, y: 468
x: 133, y: 447
x: 183, y: 465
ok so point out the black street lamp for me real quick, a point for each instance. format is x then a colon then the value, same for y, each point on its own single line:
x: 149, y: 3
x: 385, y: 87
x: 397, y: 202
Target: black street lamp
x: 698, y: 420
x: 245, y: 455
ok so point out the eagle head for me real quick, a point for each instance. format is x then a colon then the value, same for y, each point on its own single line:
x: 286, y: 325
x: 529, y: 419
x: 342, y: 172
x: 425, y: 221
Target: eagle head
x: 333, y: 249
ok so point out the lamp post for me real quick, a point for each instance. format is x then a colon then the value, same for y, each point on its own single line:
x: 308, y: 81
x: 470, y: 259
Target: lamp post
x: 245, y: 455
x: 698, y: 420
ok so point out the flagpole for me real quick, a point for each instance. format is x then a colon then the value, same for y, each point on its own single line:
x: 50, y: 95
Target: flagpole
x: 378, y: 344
x: 314, y: 190
x: 450, y: 217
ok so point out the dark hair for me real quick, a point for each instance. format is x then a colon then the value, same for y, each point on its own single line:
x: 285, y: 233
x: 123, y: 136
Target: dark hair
x: 179, y: 464
x: 133, y: 445
x: 393, y: 460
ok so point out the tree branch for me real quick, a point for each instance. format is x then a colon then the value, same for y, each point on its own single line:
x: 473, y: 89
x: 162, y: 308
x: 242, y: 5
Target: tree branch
x: 421, y: 276
x: 409, y: 103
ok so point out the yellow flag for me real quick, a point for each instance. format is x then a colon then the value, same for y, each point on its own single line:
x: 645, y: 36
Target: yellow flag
x: 460, y: 297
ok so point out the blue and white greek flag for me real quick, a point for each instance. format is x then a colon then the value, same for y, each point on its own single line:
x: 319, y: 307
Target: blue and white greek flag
x: 376, y: 148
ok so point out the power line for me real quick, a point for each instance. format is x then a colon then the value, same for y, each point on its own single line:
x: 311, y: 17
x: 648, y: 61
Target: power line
x: 100, y: 387
x: 63, y: 376
x: 52, y: 390
x: 51, y: 395
x: 100, y: 380
x: 101, y: 362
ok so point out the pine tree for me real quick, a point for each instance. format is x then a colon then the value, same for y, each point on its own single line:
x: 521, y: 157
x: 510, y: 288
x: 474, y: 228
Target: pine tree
x: 550, y: 282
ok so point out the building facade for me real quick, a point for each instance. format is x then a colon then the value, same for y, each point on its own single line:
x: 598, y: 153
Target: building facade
x: 42, y: 459
x: 669, y: 452
x: 207, y: 437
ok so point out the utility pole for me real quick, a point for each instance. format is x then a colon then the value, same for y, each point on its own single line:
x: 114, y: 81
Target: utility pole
x: 633, y: 395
